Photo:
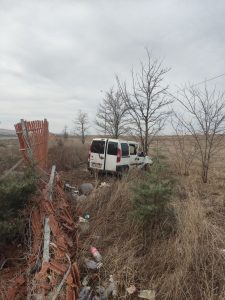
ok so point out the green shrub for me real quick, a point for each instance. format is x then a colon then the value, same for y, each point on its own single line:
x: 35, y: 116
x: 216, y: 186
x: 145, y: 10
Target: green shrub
x: 14, y: 193
x: 152, y: 194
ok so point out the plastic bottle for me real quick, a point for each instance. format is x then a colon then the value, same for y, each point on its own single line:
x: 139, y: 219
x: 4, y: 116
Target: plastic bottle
x: 86, y: 280
x: 112, y: 288
x: 85, y: 293
x: 86, y: 216
x: 147, y: 294
x: 96, y: 254
x: 92, y: 265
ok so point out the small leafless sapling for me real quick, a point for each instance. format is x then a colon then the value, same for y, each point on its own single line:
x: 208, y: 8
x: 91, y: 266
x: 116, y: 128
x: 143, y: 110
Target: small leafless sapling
x: 81, y: 125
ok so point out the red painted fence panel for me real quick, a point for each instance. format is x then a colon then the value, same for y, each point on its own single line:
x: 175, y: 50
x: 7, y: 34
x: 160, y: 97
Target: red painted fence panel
x: 33, y: 140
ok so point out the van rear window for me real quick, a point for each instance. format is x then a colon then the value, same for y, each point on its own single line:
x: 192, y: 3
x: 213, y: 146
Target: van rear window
x: 98, y: 147
x: 112, y: 148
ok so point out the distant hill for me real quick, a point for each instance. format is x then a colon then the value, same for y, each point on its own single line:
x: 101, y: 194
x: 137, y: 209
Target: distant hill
x: 7, y: 132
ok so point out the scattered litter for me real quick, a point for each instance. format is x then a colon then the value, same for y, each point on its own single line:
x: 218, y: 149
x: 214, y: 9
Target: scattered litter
x: 68, y: 187
x: 147, y: 294
x: 86, y: 280
x: 131, y: 289
x: 104, y: 184
x: 96, y: 254
x: 75, y: 194
x: 112, y: 288
x: 82, y: 220
x: 84, y: 225
x: 101, y: 293
x: 92, y: 265
x: 74, y: 191
x: 87, y: 216
x: 86, y: 188
x: 85, y: 293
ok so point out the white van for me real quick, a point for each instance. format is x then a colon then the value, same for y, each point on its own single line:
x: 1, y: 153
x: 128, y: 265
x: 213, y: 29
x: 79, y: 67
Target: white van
x: 115, y: 156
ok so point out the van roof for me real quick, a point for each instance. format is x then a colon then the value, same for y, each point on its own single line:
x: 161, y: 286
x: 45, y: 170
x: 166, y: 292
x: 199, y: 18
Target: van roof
x: 115, y: 140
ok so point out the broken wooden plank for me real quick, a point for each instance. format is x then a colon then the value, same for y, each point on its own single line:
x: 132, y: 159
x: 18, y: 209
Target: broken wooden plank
x: 47, y: 231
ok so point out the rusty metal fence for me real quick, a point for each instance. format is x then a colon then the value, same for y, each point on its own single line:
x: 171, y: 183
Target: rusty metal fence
x: 33, y: 140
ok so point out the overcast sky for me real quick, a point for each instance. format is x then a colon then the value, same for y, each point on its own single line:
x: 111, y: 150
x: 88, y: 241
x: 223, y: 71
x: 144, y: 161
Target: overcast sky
x: 60, y: 56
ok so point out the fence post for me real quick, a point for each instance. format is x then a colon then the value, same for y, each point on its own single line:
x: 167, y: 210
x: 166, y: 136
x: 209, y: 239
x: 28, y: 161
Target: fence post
x: 27, y: 141
x: 47, y: 231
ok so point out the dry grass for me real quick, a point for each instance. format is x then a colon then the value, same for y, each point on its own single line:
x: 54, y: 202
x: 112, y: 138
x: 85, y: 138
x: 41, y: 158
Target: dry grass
x: 179, y: 257
x: 183, y: 263
x: 67, y: 154
x: 9, y: 153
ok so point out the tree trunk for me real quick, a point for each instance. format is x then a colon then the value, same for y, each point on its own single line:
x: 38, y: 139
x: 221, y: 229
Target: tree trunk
x: 205, y: 168
x: 83, y: 138
x: 146, y: 139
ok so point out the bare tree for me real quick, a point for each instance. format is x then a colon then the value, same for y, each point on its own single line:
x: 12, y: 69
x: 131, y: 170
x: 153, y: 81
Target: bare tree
x: 111, y: 117
x: 204, y: 119
x: 81, y: 125
x: 185, y: 148
x: 147, y: 100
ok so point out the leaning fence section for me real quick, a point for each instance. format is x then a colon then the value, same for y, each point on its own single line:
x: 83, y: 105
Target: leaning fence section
x: 50, y: 271
x: 33, y: 141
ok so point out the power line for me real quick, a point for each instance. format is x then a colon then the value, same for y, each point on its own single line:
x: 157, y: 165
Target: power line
x: 215, y: 77
x: 201, y: 82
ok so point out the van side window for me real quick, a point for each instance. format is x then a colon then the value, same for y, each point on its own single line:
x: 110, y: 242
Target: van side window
x: 125, y: 149
x: 133, y: 149
x: 112, y: 148
x: 98, y: 147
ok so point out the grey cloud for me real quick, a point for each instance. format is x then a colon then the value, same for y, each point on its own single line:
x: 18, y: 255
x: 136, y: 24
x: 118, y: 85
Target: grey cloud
x: 57, y: 56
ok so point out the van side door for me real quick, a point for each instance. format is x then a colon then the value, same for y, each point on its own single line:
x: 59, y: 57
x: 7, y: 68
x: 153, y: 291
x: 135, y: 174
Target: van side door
x: 111, y: 156
x: 133, y: 155
x: 125, y: 159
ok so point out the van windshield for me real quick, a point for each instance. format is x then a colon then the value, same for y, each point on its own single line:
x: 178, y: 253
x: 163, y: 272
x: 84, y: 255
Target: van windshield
x: 98, y: 147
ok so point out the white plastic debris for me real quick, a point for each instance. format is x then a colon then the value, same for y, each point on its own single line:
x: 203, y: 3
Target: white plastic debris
x: 112, y: 288
x: 82, y: 220
x: 85, y: 281
x: 73, y: 189
x: 104, y: 184
x: 131, y: 289
x: 147, y: 294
